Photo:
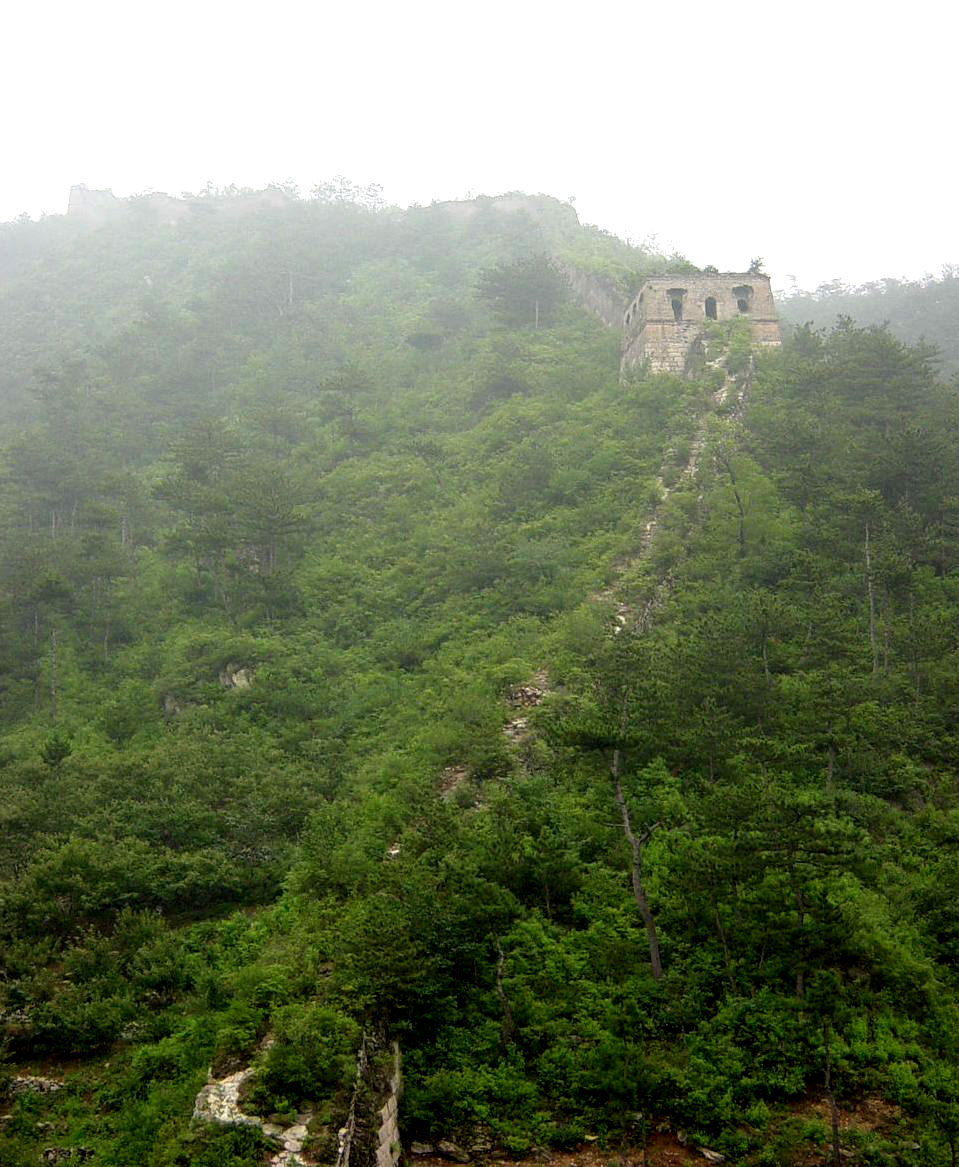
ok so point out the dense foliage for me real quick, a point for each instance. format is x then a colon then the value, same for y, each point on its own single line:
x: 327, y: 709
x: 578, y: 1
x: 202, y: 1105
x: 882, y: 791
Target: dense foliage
x: 286, y: 523
x: 913, y: 310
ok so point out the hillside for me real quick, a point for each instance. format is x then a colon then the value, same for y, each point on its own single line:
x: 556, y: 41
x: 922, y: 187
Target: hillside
x: 377, y: 665
x: 914, y: 310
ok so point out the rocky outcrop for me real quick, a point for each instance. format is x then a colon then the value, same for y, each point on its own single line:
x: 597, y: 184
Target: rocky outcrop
x: 233, y: 676
x: 522, y: 699
x: 370, y: 1136
x: 220, y: 1101
x: 27, y: 1083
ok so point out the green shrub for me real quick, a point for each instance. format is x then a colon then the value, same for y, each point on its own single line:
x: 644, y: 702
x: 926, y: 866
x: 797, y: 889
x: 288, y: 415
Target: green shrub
x: 313, y: 1055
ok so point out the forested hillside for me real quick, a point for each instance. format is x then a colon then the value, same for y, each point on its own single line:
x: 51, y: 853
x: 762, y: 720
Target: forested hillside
x: 914, y: 310
x: 344, y: 692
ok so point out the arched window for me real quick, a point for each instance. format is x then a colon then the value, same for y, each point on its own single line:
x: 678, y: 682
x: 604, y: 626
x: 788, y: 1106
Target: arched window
x: 744, y: 295
x: 710, y: 307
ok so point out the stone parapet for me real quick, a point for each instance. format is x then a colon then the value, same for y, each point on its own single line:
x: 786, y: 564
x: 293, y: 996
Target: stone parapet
x: 669, y: 313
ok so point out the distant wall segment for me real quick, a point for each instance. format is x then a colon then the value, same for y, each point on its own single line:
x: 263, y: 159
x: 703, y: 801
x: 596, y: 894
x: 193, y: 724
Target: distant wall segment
x: 597, y: 294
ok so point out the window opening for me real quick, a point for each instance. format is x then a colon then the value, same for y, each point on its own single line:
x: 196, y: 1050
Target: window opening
x: 711, y: 307
x: 744, y: 295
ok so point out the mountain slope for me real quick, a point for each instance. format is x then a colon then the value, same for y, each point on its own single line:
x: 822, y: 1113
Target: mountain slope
x: 290, y: 526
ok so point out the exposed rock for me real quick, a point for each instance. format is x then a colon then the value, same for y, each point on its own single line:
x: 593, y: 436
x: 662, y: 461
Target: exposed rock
x: 712, y: 1156
x: 219, y: 1101
x: 516, y: 728
x: 23, y: 1084
x: 452, y: 777
x: 422, y: 1149
x: 530, y: 694
x: 233, y: 676
x: 447, y: 1150
x: 481, y: 1142
x: 171, y: 707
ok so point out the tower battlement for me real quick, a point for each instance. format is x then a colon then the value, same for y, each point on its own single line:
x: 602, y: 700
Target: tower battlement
x: 669, y: 313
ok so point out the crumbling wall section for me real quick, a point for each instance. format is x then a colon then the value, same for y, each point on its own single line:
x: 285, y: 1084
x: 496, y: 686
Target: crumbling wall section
x: 371, y: 1134
x: 598, y: 295
x: 669, y: 314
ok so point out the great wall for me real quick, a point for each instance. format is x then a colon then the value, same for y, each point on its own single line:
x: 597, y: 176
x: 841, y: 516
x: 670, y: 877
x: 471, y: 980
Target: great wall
x: 663, y: 327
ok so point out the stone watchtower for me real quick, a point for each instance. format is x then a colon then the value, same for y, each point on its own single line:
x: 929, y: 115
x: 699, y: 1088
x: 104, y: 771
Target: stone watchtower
x: 666, y: 319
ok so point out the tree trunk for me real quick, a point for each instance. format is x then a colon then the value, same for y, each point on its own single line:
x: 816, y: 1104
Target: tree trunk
x: 53, y: 674
x: 801, y: 912
x: 636, y: 872
x: 872, y: 608
x: 506, y: 1030
x: 721, y: 931
x: 833, y: 1108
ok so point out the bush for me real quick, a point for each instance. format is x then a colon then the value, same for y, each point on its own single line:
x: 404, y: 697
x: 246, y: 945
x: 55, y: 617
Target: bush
x: 313, y: 1056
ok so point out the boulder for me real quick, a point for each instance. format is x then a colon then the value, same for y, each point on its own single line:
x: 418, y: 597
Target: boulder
x: 234, y: 676
x: 447, y: 1150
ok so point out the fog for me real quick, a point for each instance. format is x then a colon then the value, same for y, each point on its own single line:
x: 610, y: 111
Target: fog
x: 817, y: 136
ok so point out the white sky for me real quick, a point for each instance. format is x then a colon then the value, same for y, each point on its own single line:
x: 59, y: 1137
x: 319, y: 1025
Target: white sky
x: 821, y: 136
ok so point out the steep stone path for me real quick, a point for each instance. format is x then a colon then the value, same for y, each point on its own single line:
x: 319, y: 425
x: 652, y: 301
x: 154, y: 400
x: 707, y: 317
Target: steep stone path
x: 625, y: 614
x: 219, y: 1102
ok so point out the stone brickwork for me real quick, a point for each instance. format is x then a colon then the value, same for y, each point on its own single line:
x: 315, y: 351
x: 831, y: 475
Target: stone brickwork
x: 597, y: 294
x: 669, y: 314
x: 388, y: 1148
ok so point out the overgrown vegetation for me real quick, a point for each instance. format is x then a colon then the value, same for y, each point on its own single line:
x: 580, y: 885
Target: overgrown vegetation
x: 284, y: 524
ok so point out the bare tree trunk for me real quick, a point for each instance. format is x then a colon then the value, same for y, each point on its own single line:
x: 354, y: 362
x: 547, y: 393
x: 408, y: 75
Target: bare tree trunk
x: 725, y: 460
x: 36, y: 660
x: 884, y: 609
x: 872, y: 607
x: 833, y: 1108
x: 721, y: 931
x: 636, y: 872
x: 800, y: 973
x: 53, y: 674
x: 506, y: 1031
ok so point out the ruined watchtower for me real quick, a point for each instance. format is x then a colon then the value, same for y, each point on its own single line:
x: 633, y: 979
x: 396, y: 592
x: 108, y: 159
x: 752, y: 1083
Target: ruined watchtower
x: 669, y: 313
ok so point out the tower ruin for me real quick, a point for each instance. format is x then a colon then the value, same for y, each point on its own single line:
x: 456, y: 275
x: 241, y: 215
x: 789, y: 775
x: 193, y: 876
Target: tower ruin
x: 668, y: 315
